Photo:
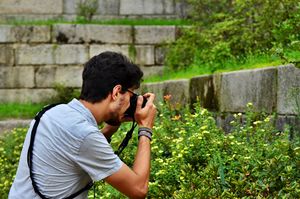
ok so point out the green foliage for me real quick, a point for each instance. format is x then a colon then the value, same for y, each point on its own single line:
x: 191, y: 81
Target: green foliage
x: 64, y: 94
x: 234, y: 29
x: 193, y: 158
x: 10, y: 150
x: 28, y: 110
x: 86, y: 9
x: 16, y: 110
x: 251, y: 61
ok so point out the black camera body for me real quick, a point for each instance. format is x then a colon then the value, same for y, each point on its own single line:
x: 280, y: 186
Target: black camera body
x: 133, y: 102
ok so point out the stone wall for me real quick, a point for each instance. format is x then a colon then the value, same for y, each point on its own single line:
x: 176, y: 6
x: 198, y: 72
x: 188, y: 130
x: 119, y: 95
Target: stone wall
x: 269, y: 89
x: 107, y: 9
x: 34, y: 58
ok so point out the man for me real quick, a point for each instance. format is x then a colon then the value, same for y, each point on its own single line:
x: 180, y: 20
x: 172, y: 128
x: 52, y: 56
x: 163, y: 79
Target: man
x: 69, y: 150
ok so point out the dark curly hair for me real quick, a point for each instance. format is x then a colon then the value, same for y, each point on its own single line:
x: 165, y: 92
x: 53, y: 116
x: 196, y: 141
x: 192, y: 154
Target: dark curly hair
x: 106, y: 70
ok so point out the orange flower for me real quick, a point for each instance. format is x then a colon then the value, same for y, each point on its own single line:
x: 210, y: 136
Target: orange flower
x: 167, y: 97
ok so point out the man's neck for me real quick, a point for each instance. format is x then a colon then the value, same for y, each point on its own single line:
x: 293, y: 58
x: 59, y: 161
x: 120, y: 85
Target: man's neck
x: 97, y: 109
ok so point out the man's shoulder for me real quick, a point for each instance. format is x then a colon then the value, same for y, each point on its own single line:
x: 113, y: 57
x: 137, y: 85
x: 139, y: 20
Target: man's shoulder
x: 65, y: 118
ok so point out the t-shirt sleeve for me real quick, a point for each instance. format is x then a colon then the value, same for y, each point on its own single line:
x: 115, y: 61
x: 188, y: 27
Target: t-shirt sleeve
x: 96, y: 157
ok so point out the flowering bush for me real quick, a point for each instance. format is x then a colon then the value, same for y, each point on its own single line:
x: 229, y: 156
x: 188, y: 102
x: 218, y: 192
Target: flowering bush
x: 193, y: 158
x: 10, y: 150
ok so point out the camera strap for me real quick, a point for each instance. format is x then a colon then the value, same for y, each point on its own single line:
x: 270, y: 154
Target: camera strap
x: 125, y: 141
x: 29, y: 156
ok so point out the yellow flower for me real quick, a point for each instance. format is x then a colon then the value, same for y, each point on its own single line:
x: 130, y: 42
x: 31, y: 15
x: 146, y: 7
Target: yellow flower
x: 203, y: 127
x: 257, y: 122
x: 249, y: 105
x: 176, y: 117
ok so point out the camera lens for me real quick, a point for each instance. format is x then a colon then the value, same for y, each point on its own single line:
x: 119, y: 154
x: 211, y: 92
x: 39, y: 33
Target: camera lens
x: 133, y: 102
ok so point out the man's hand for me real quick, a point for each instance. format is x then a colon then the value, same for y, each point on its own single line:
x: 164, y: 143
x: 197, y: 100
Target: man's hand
x: 145, y: 116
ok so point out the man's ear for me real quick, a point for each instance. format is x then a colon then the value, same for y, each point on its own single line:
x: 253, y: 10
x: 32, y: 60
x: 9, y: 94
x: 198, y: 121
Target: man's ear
x: 116, y: 91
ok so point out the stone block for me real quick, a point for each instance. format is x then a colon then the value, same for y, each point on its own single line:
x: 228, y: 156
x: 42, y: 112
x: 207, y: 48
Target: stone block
x: 35, y: 55
x: 31, y: 7
x: 146, y: 7
x: 71, y: 54
x: 16, y: 77
x: 120, y: 34
x: 45, y: 76
x: 31, y: 34
x: 156, y: 88
x: 51, y: 54
x: 26, y: 95
x: 183, y: 9
x: 105, y: 7
x: 24, y: 34
x: 256, y: 86
x: 288, y: 95
x: 160, y: 54
x: 6, y: 55
x: 179, y: 90
x: 202, y: 89
x: 6, y: 35
x: 144, y: 55
x: 67, y: 33
x: 29, y: 17
x: 70, y: 6
x: 152, y: 70
x: 288, y: 122
x: 154, y: 34
x: 70, y: 33
x: 69, y: 76
x: 108, y: 7
x: 97, y: 49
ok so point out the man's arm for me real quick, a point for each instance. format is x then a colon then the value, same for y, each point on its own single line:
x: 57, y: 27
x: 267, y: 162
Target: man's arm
x: 134, y: 182
x: 109, y: 130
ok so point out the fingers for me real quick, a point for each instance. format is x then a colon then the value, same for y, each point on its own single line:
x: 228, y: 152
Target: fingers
x: 139, y: 103
x: 145, y: 116
x: 150, y: 97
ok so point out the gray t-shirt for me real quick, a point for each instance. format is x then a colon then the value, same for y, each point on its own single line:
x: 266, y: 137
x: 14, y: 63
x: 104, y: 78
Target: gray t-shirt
x: 69, y: 151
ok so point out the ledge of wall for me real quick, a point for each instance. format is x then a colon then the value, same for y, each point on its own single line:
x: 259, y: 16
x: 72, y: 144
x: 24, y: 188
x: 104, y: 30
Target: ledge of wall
x: 268, y: 89
x: 106, y: 9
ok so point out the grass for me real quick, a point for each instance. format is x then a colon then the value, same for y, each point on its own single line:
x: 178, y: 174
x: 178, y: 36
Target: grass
x: 132, y: 22
x: 20, y: 111
x: 250, y: 62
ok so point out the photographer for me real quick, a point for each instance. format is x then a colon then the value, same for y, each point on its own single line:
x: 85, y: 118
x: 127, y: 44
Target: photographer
x: 69, y: 150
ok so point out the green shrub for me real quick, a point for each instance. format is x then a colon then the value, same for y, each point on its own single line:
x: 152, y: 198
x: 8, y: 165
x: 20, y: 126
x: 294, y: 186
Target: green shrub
x: 10, y: 149
x: 193, y: 158
x: 64, y: 94
x: 86, y: 10
x: 234, y: 29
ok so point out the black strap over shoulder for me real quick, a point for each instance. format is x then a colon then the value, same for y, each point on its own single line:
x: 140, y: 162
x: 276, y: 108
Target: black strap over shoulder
x: 125, y: 141
x: 29, y: 156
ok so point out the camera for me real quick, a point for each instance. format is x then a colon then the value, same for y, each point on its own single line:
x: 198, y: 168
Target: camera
x: 133, y: 102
